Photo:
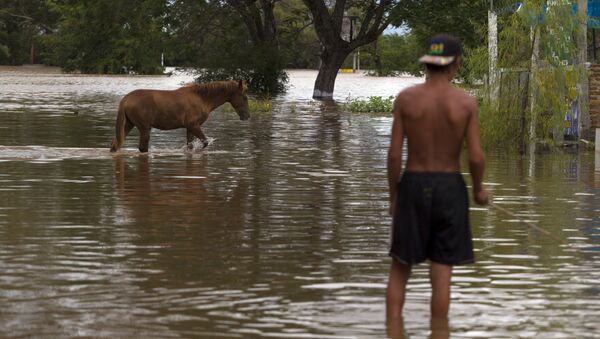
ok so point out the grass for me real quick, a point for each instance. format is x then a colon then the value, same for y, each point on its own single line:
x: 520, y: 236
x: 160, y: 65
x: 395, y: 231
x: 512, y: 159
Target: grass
x: 375, y: 104
x: 254, y: 106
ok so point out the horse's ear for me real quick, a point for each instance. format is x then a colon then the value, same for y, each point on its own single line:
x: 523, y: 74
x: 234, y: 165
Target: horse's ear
x: 241, y: 85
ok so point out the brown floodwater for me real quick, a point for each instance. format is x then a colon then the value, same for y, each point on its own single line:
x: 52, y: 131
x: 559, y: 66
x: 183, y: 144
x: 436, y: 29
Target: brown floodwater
x: 278, y: 229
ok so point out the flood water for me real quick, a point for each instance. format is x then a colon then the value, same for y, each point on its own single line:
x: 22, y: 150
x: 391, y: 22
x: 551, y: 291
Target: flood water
x: 278, y: 229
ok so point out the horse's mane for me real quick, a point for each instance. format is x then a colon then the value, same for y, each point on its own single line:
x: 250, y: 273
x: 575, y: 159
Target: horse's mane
x: 214, y: 88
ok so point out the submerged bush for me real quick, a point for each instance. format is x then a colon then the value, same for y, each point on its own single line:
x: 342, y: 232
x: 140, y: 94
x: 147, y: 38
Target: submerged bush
x: 254, y: 106
x: 263, y: 83
x: 373, y: 104
x: 499, y: 128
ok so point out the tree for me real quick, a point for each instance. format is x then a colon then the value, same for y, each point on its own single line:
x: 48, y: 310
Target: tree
x: 228, y: 40
x: 194, y: 29
x: 393, y: 55
x: 115, y: 36
x: 374, y: 17
x: 259, y: 18
x: 22, y: 24
x: 466, y: 20
x: 298, y: 43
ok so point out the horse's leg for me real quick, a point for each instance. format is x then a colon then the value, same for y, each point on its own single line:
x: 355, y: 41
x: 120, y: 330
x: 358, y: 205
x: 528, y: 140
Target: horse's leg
x: 128, y: 127
x: 197, y: 131
x: 144, y: 139
x: 190, y: 139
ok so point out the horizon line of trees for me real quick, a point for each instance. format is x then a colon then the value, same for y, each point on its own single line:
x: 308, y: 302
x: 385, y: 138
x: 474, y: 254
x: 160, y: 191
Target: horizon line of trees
x: 226, y: 38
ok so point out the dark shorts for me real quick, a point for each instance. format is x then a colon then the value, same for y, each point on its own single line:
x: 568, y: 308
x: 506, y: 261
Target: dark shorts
x: 431, y: 220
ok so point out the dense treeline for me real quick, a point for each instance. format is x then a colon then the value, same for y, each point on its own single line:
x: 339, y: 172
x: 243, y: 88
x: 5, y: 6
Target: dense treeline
x: 265, y: 36
x: 116, y: 36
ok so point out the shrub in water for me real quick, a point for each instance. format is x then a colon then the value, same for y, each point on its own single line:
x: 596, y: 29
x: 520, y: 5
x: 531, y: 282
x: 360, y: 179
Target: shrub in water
x: 373, y: 104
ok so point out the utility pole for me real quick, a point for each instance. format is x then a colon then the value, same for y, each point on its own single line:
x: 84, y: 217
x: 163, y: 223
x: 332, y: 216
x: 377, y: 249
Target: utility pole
x: 493, y: 53
x: 533, y: 93
x: 581, y: 61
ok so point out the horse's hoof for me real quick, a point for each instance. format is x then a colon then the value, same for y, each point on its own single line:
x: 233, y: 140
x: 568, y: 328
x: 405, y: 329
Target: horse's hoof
x: 204, y: 144
x: 190, y: 146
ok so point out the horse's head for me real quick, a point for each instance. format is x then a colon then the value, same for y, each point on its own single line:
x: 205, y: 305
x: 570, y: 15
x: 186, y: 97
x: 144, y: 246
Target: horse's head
x: 239, y: 101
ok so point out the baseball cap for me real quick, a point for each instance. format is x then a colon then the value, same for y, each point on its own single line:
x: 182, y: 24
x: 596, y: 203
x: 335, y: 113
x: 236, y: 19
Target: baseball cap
x: 442, y: 50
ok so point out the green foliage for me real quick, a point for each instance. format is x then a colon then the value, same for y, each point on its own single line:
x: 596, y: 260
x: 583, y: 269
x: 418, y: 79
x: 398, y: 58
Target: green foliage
x: 372, y: 104
x: 254, y: 106
x: 457, y: 17
x: 501, y: 128
x: 299, y: 45
x: 550, y: 86
x: 261, y: 70
x: 220, y: 47
x: 22, y: 25
x: 393, y: 55
x: 4, y: 53
x: 475, y: 64
x: 465, y: 19
x: 109, y: 37
x: 192, y: 27
x: 260, y: 81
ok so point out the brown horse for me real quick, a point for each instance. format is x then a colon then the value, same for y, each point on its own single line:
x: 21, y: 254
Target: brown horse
x: 187, y: 107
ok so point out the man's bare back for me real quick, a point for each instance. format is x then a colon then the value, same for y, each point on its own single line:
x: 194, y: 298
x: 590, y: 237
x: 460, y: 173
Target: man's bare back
x: 435, y: 116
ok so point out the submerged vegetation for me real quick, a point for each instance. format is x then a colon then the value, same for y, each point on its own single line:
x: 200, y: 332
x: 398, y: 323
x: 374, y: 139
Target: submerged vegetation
x: 374, y: 104
x: 537, y: 78
x: 263, y: 79
x: 254, y: 106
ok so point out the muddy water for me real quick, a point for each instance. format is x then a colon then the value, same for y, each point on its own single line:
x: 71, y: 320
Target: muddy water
x: 278, y: 229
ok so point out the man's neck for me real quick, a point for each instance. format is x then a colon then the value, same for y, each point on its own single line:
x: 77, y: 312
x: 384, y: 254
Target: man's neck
x: 439, y: 78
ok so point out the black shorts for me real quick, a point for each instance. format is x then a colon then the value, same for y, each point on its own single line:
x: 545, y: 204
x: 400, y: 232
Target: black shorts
x: 431, y: 220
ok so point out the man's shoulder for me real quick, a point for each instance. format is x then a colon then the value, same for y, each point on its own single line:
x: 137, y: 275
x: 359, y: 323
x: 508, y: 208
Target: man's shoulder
x: 464, y: 95
x: 409, y: 92
x: 411, y: 89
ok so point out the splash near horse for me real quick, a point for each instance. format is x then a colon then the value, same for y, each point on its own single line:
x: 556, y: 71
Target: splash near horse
x: 186, y: 107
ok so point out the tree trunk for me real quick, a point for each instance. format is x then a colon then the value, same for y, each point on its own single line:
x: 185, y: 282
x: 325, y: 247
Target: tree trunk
x: 31, y: 52
x: 330, y: 65
x: 378, y: 64
x: 328, y: 26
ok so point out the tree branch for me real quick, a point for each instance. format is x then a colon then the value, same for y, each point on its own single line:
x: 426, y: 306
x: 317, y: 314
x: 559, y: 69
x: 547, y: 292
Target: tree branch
x: 337, y: 17
x: 247, y: 18
x: 367, y: 19
x: 370, y: 31
x: 323, y: 23
x: 269, y: 25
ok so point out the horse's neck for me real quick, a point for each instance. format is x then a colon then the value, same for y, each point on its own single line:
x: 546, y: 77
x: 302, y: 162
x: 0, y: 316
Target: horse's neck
x: 217, y: 100
x: 225, y: 97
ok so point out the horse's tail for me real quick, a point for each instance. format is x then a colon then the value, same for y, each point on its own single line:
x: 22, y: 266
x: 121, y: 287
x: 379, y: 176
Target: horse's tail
x: 119, y: 129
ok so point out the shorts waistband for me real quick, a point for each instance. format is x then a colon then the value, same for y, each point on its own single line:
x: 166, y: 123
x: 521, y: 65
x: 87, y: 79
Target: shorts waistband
x: 432, y: 174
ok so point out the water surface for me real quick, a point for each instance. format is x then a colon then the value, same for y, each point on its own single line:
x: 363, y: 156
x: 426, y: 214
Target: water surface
x: 277, y: 229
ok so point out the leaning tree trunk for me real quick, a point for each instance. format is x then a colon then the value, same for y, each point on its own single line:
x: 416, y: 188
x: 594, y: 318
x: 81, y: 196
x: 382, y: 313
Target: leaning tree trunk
x: 331, y: 62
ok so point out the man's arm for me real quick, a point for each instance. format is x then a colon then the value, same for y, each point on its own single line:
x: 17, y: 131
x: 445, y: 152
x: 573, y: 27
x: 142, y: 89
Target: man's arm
x: 476, y: 158
x: 394, y: 161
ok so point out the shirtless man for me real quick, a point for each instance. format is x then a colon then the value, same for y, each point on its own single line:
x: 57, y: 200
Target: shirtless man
x: 429, y: 204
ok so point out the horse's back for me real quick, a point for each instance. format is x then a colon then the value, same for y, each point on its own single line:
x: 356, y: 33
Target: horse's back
x: 162, y: 109
x: 148, y: 98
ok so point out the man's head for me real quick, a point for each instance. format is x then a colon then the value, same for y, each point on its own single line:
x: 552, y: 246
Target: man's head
x: 443, y: 54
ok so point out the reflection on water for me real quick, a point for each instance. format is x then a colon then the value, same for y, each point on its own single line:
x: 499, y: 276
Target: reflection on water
x: 278, y: 229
